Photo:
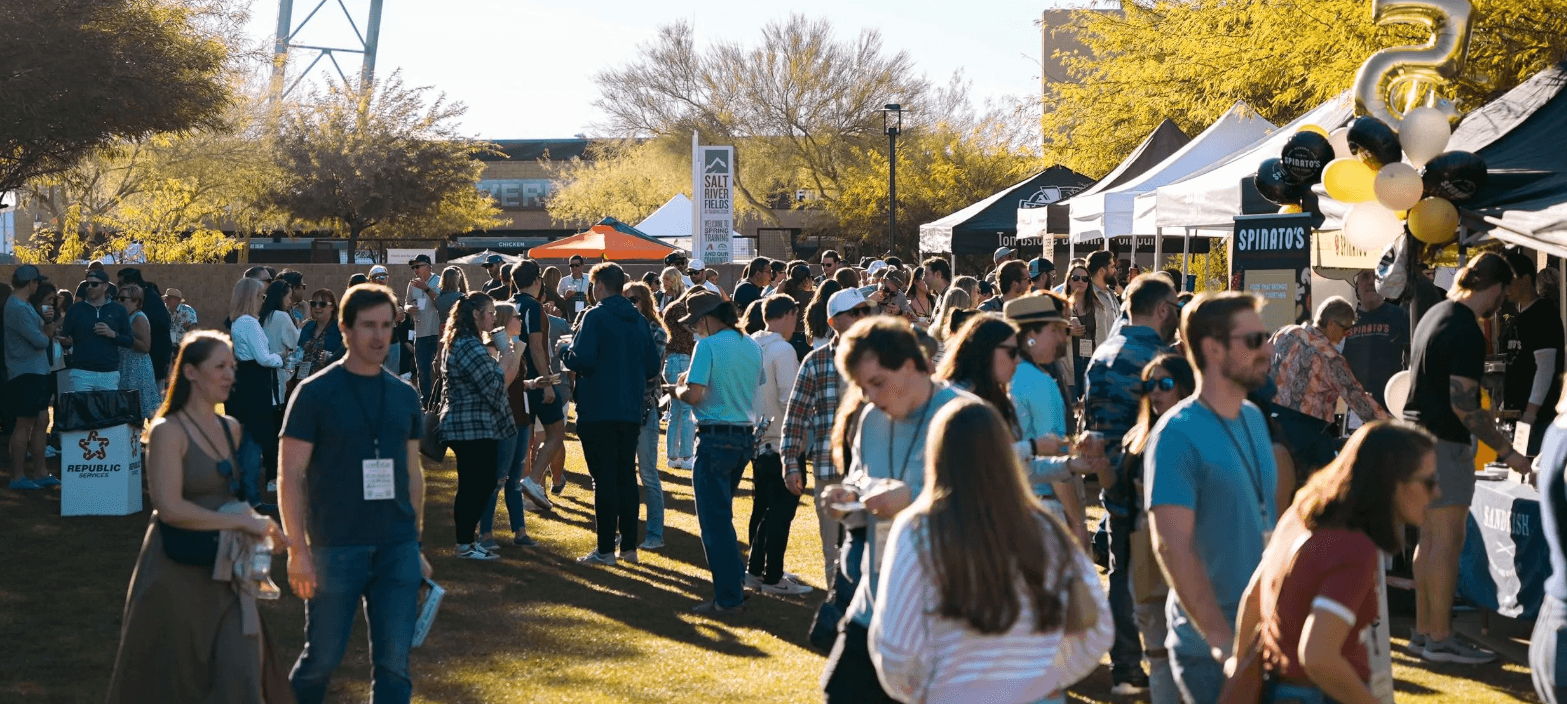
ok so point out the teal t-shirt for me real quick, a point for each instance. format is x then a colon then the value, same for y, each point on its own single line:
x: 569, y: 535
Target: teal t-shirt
x: 729, y: 364
x: 1223, y: 471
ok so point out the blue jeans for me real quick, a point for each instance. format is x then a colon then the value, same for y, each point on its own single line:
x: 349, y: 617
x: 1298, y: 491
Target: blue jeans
x: 387, y: 579
x: 1200, y: 677
x: 721, y: 458
x: 1546, y: 651
x: 682, y: 424
x: 647, y: 468
x: 1274, y: 691
x: 508, y: 480
x: 1126, y: 651
x: 424, y: 358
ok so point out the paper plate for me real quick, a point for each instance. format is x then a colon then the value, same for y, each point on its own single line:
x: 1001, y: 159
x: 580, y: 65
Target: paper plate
x: 1396, y: 392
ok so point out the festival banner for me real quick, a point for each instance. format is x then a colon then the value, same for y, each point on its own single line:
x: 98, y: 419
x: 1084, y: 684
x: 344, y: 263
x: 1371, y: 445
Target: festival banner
x: 1270, y: 255
x: 712, y: 182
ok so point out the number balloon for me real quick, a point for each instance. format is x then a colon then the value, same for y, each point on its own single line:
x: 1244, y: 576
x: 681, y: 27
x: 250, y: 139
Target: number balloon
x: 1399, y: 68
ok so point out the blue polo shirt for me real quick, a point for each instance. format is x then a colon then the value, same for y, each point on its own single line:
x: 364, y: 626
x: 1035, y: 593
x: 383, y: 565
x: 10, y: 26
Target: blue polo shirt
x: 729, y: 364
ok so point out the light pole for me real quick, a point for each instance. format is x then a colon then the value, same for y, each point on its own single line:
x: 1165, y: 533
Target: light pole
x: 892, y: 119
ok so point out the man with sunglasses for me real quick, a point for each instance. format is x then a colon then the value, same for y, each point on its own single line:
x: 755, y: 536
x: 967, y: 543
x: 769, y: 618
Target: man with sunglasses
x: 95, y: 328
x: 1111, y: 402
x: 493, y: 264
x: 1312, y: 376
x: 1209, y: 481
x: 574, y: 288
x: 809, y: 415
x: 420, y: 302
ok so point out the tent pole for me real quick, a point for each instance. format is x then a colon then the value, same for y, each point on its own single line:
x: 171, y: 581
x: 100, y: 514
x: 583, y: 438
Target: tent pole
x: 1158, y: 251
x: 1186, y: 255
x: 1561, y: 286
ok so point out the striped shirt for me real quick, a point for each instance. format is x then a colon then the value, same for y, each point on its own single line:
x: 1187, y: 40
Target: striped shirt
x: 922, y: 657
x: 808, y: 417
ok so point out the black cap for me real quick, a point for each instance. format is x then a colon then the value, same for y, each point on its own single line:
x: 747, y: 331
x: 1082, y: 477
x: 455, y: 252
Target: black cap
x: 26, y: 274
x: 98, y: 274
x: 421, y: 259
x: 494, y: 259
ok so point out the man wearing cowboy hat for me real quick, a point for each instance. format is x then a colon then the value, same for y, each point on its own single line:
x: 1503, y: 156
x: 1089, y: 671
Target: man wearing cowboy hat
x: 182, y: 318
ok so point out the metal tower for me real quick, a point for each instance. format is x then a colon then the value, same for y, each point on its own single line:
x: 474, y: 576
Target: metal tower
x: 286, y: 31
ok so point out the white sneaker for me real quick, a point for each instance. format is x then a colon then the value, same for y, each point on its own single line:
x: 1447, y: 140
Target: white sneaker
x: 785, y: 587
x: 751, y: 582
x: 473, y: 551
x: 536, y: 494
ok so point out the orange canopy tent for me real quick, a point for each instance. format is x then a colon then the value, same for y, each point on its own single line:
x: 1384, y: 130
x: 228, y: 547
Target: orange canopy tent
x: 604, y: 242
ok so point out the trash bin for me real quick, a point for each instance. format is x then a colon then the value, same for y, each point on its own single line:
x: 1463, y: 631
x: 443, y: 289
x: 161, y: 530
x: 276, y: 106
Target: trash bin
x: 100, y: 453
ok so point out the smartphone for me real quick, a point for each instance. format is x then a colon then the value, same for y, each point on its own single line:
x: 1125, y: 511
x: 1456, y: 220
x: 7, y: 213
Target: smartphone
x: 848, y: 506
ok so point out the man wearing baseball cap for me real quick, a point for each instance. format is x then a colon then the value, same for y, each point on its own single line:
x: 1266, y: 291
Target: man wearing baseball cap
x: 27, y: 342
x: 1041, y: 274
x: 420, y: 302
x: 809, y: 414
x: 95, y: 329
x: 1003, y: 255
x: 493, y: 264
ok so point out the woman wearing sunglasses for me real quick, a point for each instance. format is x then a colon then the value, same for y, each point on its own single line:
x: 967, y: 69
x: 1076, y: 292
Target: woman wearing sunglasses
x: 1165, y: 381
x: 320, y: 340
x: 1084, y: 307
x: 135, y: 362
x: 1313, y: 599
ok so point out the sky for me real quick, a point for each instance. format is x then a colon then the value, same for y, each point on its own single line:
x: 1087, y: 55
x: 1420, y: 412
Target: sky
x: 524, y: 68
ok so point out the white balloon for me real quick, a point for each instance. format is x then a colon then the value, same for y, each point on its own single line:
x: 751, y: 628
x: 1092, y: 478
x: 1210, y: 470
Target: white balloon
x: 1370, y: 226
x: 1424, y: 134
x: 1398, y: 186
x: 1339, y: 138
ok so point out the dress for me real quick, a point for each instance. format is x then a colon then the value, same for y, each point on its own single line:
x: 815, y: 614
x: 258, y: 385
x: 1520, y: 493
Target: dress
x: 136, y: 375
x: 182, y: 636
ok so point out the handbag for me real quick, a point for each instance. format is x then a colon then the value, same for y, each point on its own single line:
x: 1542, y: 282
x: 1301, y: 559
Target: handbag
x: 430, y: 444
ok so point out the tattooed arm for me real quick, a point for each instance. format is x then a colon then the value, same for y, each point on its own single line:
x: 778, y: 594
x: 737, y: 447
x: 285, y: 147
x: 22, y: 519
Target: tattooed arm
x: 1466, y: 403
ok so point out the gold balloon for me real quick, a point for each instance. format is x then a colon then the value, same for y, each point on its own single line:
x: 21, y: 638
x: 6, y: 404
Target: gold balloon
x: 1314, y: 128
x: 1410, y: 70
x: 1402, y: 214
x: 1290, y: 208
x: 1433, y: 221
x: 1349, y: 180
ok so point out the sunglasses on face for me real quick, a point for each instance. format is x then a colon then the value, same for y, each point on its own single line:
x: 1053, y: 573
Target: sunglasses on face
x: 1162, y: 384
x: 1252, y: 340
x: 378, y: 277
x: 1011, y: 350
x: 856, y: 312
x: 94, y: 284
x: 123, y: 299
x: 1079, y: 279
x: 320, y: 304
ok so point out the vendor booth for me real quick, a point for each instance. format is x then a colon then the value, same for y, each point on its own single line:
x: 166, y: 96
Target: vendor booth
x: 993, y: 222
x: 1159, y: 145
x: 671, y: 223
x: 607, y: 242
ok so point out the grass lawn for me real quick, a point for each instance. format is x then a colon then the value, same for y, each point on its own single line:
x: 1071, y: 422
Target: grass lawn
x: 532, y: 627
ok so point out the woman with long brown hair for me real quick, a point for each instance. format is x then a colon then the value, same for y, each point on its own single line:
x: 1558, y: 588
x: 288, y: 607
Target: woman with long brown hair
x: 1313, y: 598
x: 1084, y: 312
x: 647, y: 443
x: 475, y: 415
x: 982, y: 586
x: 184, y: 637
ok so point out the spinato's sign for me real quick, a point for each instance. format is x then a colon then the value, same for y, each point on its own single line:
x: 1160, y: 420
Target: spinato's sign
x: 1249, y: 239
x: 1270, y: 257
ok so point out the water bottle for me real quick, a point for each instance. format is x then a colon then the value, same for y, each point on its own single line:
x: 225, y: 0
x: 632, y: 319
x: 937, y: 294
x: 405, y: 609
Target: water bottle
x: 261, y: 570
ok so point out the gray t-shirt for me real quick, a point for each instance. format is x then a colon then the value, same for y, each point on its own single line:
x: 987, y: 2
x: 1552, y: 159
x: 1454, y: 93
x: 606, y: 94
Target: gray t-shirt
x: 347, y: 417
x: 427, y: 321
x: 26, y: 346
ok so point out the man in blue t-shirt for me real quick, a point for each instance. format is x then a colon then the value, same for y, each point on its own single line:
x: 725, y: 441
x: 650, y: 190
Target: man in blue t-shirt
x: 350, y: 479
x: 1209, y: 482
x: 726, y: 369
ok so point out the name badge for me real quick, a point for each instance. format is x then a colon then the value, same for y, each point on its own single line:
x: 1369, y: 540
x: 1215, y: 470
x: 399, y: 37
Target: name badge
x: 424, y: 302
x: 1085, y: 347
x: 378, y: 480
x: 579, y: 305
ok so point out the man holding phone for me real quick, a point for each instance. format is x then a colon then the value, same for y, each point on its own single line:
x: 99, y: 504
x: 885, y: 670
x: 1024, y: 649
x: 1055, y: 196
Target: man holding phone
x: 422, y: 290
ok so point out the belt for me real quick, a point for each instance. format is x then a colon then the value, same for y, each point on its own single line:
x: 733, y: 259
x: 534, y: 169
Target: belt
x: 726, y: 428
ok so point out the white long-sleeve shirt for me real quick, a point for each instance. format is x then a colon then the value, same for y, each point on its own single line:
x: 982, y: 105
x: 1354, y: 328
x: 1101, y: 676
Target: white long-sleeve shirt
x: 779, y: 367
x: 282, y: 339
x: 250, y: 343
x: 921, y: 657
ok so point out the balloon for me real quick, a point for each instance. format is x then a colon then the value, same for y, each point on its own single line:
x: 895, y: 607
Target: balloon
x: 1434, y: 221
x: 1340, y: 141
x: 1402, y: 214
x: 1448, y: 23
x: 1303, y: 158
x: 1424, y: 134
x: 1349, y: 180
x: 1370, y: 227
x: 1398, y: 186
x: 1314, y: 129
x: 1374, y: 140
x: 1456, y: 176
x: 1290, y: 209
x: 1271, y: 183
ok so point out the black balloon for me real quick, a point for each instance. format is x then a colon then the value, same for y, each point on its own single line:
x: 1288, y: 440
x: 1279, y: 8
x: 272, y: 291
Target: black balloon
x: 1456, y: 176
x: 1304, y: 157
x: 1373, y: 139
x: 1273, y: 186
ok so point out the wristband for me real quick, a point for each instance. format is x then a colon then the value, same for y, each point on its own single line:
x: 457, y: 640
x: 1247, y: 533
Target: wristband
x: 1503, y: 458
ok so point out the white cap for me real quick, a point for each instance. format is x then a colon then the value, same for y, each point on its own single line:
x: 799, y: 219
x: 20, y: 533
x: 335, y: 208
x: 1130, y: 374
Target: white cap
x: 876, y: 266
x: 377, y: 269
x: 844, y: 301
x: 697, y: 265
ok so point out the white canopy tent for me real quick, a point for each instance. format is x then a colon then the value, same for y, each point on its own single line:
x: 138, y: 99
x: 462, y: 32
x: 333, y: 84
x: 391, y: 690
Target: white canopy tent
x: 1110, y: 212
x: 672, y: 222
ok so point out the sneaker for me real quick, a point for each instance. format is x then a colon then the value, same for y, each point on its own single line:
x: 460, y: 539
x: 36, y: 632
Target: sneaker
x: 272, y: 487
x: 652, y: 544
x: 559, y: 488
x: 522, y: 540
x: 630, y: 556
x: 785, y: 587
x: 47, y: 482
x: 688, y: 463
x: 597, y: 558
x: 535, y: 493
x: 23, y: 484
x: 473, y: 551
x: 50, y: 452
x: 711, y: 608
x: 1454, y: 650
x: 1417, y: 643
x: 751, y: 581
x: 1130, y: 684
x: 490, y: 545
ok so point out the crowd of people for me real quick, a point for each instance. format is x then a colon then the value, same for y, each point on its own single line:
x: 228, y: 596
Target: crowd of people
x: 945, y: 425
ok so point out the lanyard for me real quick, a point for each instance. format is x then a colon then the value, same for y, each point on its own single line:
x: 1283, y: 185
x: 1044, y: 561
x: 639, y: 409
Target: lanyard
x: 908, y: 451
x: 380, y: 410
x: 1252, y: 475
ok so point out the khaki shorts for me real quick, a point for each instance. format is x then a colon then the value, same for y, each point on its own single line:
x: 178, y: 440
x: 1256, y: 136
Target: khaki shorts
x: 1455, y: 474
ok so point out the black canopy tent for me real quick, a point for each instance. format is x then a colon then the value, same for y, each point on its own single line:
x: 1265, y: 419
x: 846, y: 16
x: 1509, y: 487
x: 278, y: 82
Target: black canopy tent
x: 982, y: 227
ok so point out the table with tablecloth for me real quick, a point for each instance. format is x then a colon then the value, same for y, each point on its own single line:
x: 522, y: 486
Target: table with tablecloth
x: 1505, y: 560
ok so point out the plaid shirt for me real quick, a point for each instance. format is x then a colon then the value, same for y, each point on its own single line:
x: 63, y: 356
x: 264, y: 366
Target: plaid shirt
x: 1312, y: 376
x: 813, y: 403
x: 473, y: 403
